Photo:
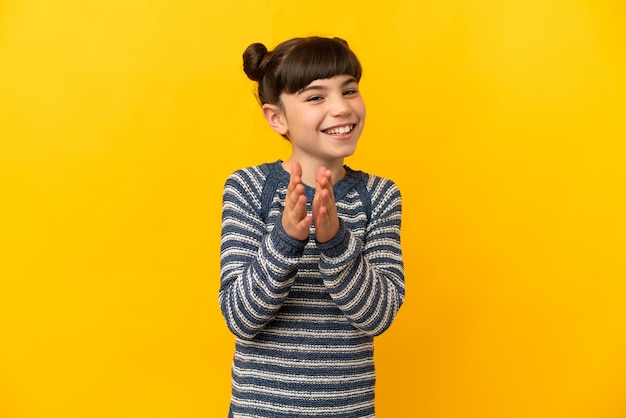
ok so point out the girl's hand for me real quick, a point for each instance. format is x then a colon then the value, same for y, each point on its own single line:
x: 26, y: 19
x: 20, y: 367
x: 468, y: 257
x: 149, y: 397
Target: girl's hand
x: 295, y: 220
x: 324, y: 207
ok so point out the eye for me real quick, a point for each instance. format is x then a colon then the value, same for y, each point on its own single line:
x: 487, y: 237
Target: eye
x: 350, y: 92
x: 314, y: 98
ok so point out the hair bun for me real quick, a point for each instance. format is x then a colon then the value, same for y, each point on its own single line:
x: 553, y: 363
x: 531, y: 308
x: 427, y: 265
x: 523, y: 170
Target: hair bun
x: 253, y: 61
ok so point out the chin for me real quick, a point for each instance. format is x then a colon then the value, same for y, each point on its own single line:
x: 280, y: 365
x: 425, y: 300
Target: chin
x: 348, y: 153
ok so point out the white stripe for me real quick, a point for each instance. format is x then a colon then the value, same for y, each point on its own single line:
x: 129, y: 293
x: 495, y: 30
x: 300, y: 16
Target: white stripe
x: 301, y: 394
x: 295, y: 410
x: 307, y: 348
x: 303, y: 379
x: 308, y: 363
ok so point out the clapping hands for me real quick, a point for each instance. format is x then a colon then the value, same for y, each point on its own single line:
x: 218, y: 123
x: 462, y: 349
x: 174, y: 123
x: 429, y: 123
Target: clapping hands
x: 296, y: 221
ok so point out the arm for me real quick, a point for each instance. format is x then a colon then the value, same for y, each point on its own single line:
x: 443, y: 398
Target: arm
x: 257, y: 268
x: 368, y: 285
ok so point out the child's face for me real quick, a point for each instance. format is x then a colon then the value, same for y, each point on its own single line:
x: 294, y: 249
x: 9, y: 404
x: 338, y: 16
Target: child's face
x: 324, y: 120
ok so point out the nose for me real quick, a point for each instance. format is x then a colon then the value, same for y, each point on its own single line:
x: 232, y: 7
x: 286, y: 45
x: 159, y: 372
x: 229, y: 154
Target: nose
x: 340, y: 106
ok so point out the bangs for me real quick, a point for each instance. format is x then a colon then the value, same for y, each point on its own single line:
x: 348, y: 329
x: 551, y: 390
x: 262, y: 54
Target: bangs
x: 319, y: 58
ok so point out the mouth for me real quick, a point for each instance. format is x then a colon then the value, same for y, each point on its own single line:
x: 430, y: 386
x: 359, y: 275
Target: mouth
x: 339, y: 130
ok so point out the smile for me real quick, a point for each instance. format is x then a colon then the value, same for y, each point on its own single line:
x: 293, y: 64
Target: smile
x: 340, y: 130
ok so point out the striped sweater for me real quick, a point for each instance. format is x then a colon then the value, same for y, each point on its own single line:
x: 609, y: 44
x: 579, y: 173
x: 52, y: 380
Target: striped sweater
x: 305, y: 313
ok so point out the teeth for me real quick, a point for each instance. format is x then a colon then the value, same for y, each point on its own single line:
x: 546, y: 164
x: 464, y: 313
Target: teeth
x: 340, y: 130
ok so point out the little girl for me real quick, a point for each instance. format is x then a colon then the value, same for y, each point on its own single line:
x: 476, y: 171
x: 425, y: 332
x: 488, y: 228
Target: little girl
x: 311, y: 263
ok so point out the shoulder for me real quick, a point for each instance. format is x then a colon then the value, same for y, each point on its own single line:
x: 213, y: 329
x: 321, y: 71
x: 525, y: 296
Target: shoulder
x: 375, y: 185
x: 249, y: 175
x: 246, y: 184
x: 252, y: 177
x: 382, y: 192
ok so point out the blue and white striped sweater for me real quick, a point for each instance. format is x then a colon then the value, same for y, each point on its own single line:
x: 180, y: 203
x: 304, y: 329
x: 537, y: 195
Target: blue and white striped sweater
x: 305, y: 313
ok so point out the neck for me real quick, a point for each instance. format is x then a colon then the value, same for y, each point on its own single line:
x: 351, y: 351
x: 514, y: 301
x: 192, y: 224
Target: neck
x: 309, y: 168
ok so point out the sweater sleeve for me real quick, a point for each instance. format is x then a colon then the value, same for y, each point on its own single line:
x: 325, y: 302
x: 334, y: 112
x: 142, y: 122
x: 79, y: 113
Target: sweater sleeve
x: 367, y: 284
x: 257, y: 268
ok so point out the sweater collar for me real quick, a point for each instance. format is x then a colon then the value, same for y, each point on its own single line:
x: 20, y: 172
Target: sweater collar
x: 340, y: 189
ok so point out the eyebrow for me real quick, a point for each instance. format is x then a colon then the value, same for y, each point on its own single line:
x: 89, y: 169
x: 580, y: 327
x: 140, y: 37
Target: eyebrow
x: 317, y: 87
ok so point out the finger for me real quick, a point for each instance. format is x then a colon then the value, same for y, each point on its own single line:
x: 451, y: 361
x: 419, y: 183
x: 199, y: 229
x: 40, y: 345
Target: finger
x: 296, y: 169
x: 299, y: 209
x: 321, y: 176
x: 291, y: 198
x: 329, y: 182
x: 325, y: 193
x: 324, y: 179
x: 295, y: 187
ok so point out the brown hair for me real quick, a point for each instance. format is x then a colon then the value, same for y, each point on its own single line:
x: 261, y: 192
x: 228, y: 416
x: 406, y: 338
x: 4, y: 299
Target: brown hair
x: 295, y: 63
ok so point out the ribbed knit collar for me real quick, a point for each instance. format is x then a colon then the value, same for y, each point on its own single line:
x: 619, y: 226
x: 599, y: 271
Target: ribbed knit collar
x: 340, y: 189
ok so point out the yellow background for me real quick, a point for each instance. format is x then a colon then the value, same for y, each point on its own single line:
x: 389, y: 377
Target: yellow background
x: 503, y: 122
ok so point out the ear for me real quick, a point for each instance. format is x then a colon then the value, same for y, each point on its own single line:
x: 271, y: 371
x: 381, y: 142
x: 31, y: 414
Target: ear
x: 276, y: 118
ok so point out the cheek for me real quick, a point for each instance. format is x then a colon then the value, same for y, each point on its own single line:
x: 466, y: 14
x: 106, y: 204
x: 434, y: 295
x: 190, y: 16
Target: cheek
x: 359, y: 107
x: 312, y: 119
x: 361, y: 111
